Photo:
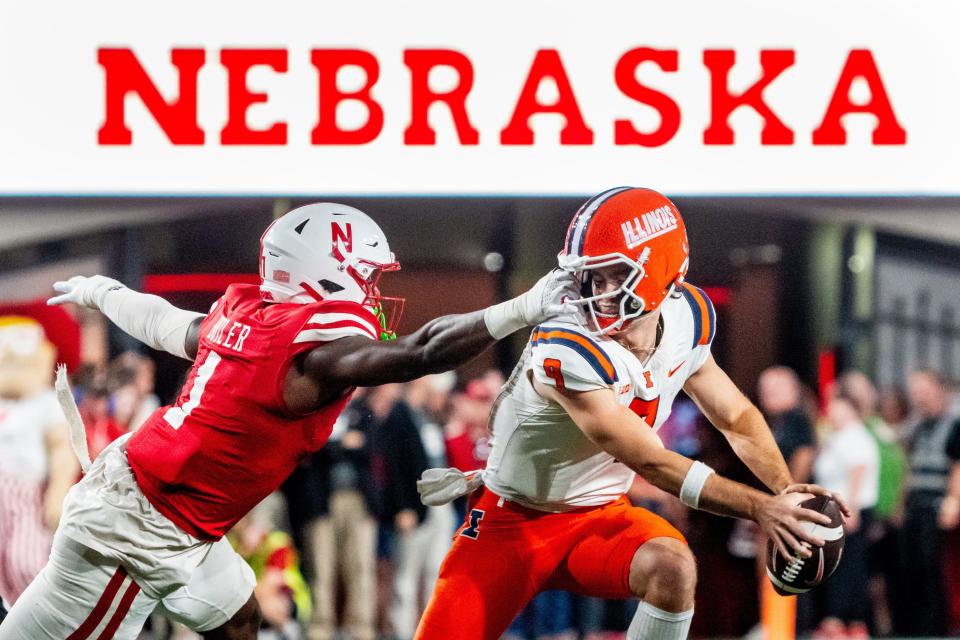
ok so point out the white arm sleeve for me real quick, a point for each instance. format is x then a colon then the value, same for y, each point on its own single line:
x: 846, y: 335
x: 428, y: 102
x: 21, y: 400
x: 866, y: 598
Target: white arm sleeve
x: 150, y: 319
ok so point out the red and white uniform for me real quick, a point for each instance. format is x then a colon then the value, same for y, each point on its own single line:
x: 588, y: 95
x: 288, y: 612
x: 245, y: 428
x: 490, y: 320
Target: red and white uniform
x: 143, y: 529
x: 229, y: 441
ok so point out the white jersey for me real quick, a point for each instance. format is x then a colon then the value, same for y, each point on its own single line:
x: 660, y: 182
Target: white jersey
x: 539, y: 457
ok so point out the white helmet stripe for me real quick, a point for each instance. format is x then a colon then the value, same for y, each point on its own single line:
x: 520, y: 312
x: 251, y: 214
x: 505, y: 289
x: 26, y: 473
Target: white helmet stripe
x: 583, y: 219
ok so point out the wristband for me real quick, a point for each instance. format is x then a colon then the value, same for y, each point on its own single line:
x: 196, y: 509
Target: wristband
x: 693, y: 484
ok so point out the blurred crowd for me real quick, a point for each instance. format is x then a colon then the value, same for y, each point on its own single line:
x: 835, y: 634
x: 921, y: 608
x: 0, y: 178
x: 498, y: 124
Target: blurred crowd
x: 894, y: 454
x: 347, y: 550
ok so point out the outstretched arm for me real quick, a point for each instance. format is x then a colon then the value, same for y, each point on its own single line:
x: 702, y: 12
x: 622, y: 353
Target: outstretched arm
x: 441, y: 344
x: 148, y: 318
x: 630, y: 440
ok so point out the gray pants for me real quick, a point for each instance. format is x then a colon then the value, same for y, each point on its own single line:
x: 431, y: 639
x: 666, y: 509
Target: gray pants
x: 417, y: 558
x: 344, y: 542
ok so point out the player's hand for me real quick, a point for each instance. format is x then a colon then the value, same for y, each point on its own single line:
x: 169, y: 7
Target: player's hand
x: 851, y: 523
x: 817, y: 490
x: 406, y: 521
x: 353, y: 439
x: 949, y: 515
x: 782, y: 518
x: 549, y: 297
x: 84, y: 291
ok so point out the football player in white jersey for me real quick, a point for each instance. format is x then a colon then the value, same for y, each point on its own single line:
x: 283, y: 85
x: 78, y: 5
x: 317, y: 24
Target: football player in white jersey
x: 578, y: 418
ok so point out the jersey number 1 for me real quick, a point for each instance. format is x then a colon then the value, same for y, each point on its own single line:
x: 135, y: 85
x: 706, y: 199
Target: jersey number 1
x: 176, y: 414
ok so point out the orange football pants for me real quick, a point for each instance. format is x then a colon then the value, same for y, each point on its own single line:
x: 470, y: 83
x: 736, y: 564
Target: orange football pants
x: 504, y: 554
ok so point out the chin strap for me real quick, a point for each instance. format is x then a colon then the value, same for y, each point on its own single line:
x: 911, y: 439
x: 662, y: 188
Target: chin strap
x: 382, y: 319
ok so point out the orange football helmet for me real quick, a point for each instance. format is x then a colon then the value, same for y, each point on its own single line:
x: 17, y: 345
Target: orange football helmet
x: 635, y: 227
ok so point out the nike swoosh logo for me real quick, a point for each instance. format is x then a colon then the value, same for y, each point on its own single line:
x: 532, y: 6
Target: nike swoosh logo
x: 372, y: 244
x: 675, y: 369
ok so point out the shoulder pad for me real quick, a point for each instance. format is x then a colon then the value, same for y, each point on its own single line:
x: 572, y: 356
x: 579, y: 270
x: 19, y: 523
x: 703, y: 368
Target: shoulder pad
x: 337, y: 319
x: 565, y: 358
x: 704, y: 317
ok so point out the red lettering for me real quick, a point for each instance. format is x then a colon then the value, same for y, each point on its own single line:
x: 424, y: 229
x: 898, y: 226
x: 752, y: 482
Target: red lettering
x: 237, y: 63
x: 626, y: 77
x: 124, y: 74
x: 551, y: 366
x: 646, y: 409
x: 723, y: 103
x: 860, y: 64
x: 546, y: 64
x: 421, y: 62
x: 338, y: 235
x: 328, y: 63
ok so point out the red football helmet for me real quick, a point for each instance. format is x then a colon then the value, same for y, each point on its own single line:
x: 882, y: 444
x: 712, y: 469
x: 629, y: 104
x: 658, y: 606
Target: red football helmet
x: 635, y: 227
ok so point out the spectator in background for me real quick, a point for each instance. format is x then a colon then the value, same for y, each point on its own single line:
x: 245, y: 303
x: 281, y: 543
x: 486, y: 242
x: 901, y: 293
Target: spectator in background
x: 93, y: 401
x: 780, y: 395
x: 784, y: 404
x: 411, y: 440
x: 894, y: 411
x: 467, y: 432
x: 849, y: 464
x: 882, y: 536
x: 37, y: 466
x: 931, y: 503
x: 281, y: 590
x: 333, y: 502
x: 131, y: 378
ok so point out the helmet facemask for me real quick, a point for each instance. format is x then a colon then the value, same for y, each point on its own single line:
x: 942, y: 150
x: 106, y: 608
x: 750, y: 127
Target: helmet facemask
x: 631, y: 306
x: 387, y: 309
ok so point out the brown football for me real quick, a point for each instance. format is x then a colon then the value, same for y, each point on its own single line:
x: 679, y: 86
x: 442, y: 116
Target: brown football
x: 790, y: 577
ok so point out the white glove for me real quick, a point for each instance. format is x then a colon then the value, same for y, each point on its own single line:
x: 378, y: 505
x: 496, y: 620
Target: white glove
x: 547, y: 298
x: 148, y: 318
x: 441, y: 486
x: 87, y: 292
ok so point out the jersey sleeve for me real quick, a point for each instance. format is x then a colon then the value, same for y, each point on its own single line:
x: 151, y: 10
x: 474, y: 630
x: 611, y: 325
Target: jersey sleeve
x: 334, y: 320
x: 704, y: 324
x: 567, y: 359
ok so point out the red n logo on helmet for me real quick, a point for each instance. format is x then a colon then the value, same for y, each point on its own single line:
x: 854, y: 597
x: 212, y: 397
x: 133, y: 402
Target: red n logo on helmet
x: 338, y: 235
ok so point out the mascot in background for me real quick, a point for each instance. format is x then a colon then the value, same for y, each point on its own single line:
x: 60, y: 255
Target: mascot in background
x: 37, y: 466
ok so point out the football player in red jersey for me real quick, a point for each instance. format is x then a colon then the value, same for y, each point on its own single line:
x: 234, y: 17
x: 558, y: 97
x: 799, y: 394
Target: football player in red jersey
x: 274, y: 365
x: 579, y: 416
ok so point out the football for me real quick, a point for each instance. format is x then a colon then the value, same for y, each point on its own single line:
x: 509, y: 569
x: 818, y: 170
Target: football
x: 799, y: 575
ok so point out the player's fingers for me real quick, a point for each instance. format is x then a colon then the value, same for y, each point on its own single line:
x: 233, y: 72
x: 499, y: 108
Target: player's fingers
x: 794, y: 545
x: 810, y: 515
x: 62, y: 286
x: 844, y: 508
x: 804, y: 534
x: 792, y: 536
x: 782, y: 548
x: 56, y: 300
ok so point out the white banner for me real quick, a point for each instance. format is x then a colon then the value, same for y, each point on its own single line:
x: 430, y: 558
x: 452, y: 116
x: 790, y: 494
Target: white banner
x: 504, y: 97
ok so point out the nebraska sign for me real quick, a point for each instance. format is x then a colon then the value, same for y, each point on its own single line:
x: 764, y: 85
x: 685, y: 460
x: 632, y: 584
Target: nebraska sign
x: 532, y: 98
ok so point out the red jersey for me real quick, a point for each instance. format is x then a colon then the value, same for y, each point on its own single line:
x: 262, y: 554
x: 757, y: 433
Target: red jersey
x: 229, y: 440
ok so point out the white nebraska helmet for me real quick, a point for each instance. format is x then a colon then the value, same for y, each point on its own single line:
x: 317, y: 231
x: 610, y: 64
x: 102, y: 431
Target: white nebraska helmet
x: 326, y: 251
